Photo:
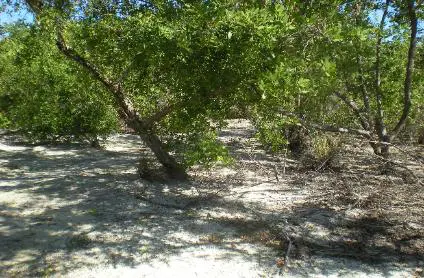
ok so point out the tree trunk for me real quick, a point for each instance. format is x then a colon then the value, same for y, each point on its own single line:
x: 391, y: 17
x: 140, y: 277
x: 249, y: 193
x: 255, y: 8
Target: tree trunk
x: 420, y: 139
x: 143, y: 127
x: 407, y: 87
x: 173, y: 169
x: 381, y: 148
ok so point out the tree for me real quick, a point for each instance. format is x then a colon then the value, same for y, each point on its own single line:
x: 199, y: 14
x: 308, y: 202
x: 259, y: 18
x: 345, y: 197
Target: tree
x: 377, y: 123
x: 170, y: 67
x: 346, y: 56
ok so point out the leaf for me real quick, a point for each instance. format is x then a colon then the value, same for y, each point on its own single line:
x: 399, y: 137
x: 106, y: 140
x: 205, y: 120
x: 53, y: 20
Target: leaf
x: 229, y: 35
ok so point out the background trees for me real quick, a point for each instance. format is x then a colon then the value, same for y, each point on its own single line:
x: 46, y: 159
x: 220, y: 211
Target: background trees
x: 47, y: 97
x: 354, y: 70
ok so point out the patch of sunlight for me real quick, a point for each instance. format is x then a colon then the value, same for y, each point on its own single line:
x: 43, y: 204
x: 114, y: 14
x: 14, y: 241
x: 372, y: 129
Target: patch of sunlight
x: 10, y: 183
x: 8, y: 148
x: 26, y: 255
x: 73, y: 153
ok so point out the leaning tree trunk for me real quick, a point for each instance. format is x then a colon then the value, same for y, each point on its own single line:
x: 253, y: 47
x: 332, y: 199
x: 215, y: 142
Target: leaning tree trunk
x: 172, y: 167
x: 143, y: 127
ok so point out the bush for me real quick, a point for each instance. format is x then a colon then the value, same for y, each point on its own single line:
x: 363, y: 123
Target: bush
x: 272, y: 133
x: 46, y: 97
x: 298, y: 140
x: 322, y: 153
x: 203, y: 149
x: 4, y: 121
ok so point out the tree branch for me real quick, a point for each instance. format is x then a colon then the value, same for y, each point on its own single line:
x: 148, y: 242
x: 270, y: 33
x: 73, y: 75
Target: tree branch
x: 126, y: 108
x: 407, y: 87
x: 328, y: 128
x: 381, y: 129
x: 124, y: 103
x: 354, y: 107
x: 159, y: 115
x: 35, y: 5
x: 365, y: 94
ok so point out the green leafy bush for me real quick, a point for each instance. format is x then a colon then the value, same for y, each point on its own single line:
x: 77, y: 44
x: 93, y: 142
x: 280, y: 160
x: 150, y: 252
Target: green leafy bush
x: 203, y: 149
x: 4, y: 121
x: 272, y: 131
x: 322, y: 153
x: 48, y: 98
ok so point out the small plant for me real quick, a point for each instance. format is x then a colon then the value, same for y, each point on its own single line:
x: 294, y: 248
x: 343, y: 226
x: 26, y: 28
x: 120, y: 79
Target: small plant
x: 93, y: 212
x: 191, y: 213
x: 271, y: 133
x: 322, y: 153
x: 213, y: 238
x: 78, y: 241
x: 48, y: 271
x: 144, y: 249
x: 4, y: 121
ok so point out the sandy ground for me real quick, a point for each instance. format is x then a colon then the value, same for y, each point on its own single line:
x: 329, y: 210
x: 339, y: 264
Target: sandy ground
x: 74, y: 211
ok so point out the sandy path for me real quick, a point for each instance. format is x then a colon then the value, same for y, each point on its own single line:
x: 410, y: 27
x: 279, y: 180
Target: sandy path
x: 73, y: 211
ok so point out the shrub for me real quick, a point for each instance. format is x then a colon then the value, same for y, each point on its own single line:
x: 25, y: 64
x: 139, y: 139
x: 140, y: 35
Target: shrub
x: 322, y: 153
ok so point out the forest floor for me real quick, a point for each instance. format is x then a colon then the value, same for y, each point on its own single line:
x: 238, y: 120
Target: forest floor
x: 75, y: 211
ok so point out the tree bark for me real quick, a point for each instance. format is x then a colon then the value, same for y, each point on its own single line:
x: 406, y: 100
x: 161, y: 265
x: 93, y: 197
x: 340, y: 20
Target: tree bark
x: 380, y: 127
x: 354, y: 107
x: 407, y: 87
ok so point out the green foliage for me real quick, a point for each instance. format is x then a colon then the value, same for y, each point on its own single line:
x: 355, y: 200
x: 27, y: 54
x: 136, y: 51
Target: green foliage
x: 4, y: 121
x: 49, y: 98
x: 206, y: 151
x: 324, y: 147
x: 271, y: 133
x: 323, y: 152
x: 206, y: 59
x: 200, y: 148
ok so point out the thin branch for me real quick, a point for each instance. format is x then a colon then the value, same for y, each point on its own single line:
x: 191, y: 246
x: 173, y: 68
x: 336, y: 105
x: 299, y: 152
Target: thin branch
x: 354, y: 107
x: 407, y: 87
x: 381, y: 129
x: 126, y: 108
x: 328, y: 128
x: 365, y: 94
x: 159, y: 115
x: 73, y: 55
x: 36, y: 6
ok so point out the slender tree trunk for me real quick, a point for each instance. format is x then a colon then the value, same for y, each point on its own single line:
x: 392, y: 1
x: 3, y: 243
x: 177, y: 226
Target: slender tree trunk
x: 386, y: 138
x: 407, y: 87
x: 172, y: 167
x: 380, y: 127
x: 143, y: 127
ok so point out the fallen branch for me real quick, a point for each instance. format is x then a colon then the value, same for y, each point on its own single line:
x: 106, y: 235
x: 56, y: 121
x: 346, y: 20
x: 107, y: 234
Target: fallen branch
x: 287, y: 255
